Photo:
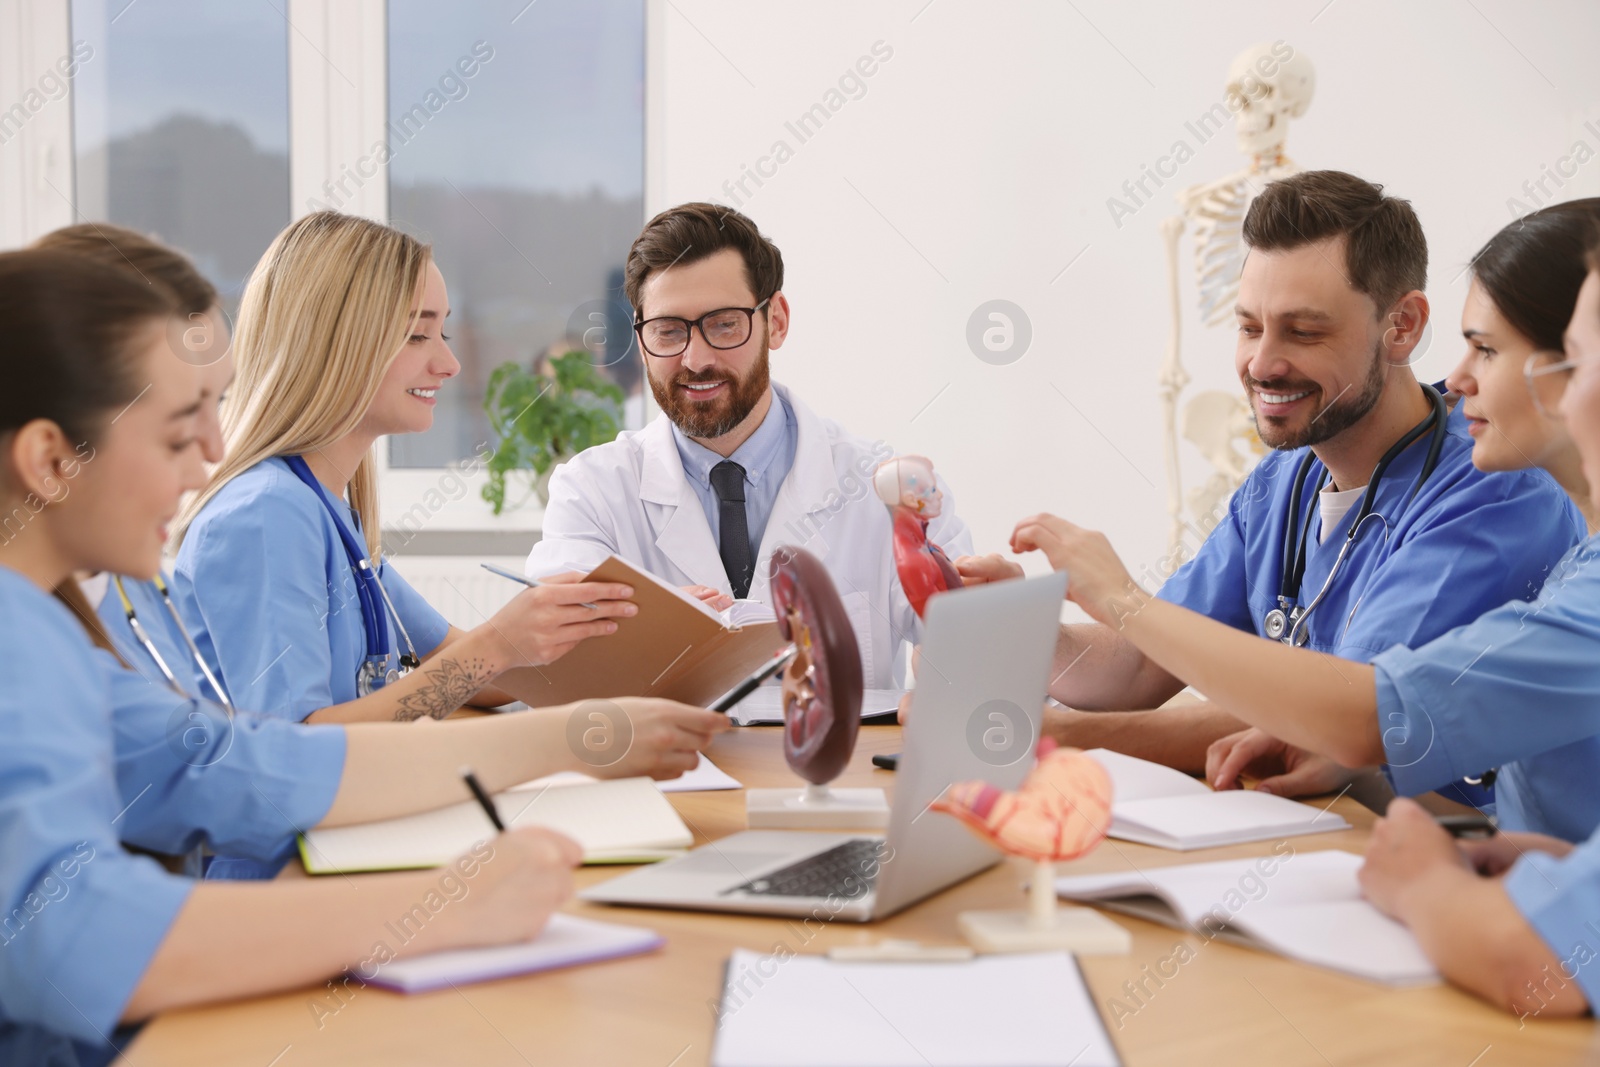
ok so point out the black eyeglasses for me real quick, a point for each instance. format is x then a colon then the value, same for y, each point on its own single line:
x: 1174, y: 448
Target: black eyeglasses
x: 668, y: 335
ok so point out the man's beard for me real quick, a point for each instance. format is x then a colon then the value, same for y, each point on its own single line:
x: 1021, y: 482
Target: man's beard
x: 1337, y: 417
x: 707, y: 420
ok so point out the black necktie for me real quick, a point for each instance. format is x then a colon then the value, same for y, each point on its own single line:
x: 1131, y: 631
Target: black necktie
x: 727, y: 478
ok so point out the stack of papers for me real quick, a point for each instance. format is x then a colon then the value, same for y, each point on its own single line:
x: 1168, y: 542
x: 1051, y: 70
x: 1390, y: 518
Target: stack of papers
x: 764, y: 707
x: 1156, y: 805
x: 566, y: 941
x: 1023, y: 1010
x: 1305, y: 905
x: 625, y: 820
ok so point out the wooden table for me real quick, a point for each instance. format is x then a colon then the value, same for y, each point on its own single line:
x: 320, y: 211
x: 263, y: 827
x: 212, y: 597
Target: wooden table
x: 1225, y: 1005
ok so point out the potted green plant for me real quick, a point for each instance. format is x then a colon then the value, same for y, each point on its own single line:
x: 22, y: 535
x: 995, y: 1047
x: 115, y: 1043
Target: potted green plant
x: 543, y: 419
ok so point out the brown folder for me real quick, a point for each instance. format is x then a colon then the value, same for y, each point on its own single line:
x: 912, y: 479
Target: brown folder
x: 672, y: 648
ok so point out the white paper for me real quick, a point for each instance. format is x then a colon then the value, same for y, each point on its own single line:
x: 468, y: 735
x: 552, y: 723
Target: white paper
x: 1305, y: 905
x: 705, y: 777
x: 566, y: 941
x: 747, y: 613
x: 1156, y: 805
x: 765, y: 705
x: 807, y: 1011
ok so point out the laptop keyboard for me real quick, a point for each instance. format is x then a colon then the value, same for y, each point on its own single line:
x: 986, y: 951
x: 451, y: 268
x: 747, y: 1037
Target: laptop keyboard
x: 847, y: 870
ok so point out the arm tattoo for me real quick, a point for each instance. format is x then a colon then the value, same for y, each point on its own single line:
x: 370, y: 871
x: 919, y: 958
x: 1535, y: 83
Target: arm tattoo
x: 450, y: 684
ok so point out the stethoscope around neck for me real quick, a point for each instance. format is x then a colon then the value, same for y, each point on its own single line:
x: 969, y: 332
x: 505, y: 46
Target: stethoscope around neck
x: 143, y: 637
x: 1287, y: 622
x: 376, y: 607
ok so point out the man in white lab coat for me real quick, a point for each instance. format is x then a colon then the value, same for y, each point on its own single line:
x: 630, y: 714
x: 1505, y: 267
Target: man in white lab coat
x: 739, y: 466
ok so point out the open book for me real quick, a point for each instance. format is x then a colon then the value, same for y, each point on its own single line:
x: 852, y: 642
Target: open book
x: 676, y: 647
x: 1304, y: 905
x: 624, y: 820
x: 1156, y: 805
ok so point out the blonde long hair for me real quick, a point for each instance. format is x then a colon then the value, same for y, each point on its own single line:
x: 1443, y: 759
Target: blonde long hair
x: 326, y: 312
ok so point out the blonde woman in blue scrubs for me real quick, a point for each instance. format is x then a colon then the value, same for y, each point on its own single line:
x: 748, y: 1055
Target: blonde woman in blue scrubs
x: 91, y: 937
x: 279, y: 576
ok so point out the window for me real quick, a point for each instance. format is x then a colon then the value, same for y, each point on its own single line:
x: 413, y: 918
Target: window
x: 181, y: 127
x: 516, y: 141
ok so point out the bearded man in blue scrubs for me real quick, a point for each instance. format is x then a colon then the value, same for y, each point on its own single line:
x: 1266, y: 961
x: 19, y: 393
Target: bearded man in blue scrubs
x: 1330, y: 315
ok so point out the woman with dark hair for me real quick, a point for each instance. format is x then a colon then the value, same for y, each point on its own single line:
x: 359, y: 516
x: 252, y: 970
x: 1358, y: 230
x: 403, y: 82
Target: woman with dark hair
x: 98, y: 429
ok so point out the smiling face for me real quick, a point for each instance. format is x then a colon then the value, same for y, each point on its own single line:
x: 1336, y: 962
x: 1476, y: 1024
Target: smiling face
x: 1580, y: 403
x: 707, y: 392
x: 1508, y: 430
x: 407, y: 395
x: 1310, y: 348
x: 126, y: 486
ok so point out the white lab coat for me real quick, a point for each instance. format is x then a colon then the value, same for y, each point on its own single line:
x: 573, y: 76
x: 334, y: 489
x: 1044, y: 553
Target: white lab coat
x: 632, y: 499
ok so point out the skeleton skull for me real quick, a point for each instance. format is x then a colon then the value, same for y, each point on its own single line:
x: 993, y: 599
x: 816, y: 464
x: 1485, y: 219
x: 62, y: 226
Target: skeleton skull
x: 1268, y: 85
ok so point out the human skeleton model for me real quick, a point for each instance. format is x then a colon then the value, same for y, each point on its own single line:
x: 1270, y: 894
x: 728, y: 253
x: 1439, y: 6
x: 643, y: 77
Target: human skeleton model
x: 1267, y: 91
x: 907, y: 486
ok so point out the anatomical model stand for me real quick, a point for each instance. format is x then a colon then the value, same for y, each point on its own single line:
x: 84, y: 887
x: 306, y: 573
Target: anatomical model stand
x: 822, y: 690
x: 1061, y: 812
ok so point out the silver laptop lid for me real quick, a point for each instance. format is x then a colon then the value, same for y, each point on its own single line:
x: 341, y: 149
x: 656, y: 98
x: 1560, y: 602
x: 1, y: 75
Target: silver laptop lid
x: 981, y: 686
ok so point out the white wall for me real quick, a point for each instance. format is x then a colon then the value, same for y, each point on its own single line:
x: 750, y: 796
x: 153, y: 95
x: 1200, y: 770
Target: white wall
x: 978, y: 165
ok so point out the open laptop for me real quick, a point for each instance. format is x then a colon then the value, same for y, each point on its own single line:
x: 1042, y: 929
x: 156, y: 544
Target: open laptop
x: 980, y: 689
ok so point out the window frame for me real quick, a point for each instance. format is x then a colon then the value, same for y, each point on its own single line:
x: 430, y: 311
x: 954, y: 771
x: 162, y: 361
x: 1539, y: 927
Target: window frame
x: 338, y: 103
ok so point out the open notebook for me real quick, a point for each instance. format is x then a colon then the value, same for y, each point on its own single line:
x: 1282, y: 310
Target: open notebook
x: 624, y: 820
x: 1156, y: 805
x: 1304, y: 905
x: 1015, y: 1010
x: 565, y: 942
x: 675, y: 647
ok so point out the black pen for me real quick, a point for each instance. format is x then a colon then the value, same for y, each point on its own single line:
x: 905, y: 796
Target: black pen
x: 531, y: 583
x: 748, y: 686
x: 483, y: 798
x: 1470, y: 826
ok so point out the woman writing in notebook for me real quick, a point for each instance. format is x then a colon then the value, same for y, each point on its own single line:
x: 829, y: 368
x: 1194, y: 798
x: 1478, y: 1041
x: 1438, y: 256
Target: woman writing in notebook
x: 340, y: 342
x: 97, y: 444
x: 1514, y: 690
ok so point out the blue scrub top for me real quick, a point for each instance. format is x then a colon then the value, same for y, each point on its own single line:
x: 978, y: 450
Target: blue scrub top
x: 162, y: 630
x: 95, y: 755
x: 1518, y: 689
x: 266, y: 590
x: 1467, y: 543
x: 1560, y: 898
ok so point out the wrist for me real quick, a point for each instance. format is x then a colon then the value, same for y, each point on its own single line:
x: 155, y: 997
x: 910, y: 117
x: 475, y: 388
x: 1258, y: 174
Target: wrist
x: 489, y: 644
x: 1421, y: 894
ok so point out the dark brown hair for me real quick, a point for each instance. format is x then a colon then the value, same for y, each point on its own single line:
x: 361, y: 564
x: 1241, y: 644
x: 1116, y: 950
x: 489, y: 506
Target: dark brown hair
x: 689, y: 233
x: 70, y: 326
x: 1533, y: 268
x: 1386, y: 254
x: 69, y: 355
x: 152, y: 261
